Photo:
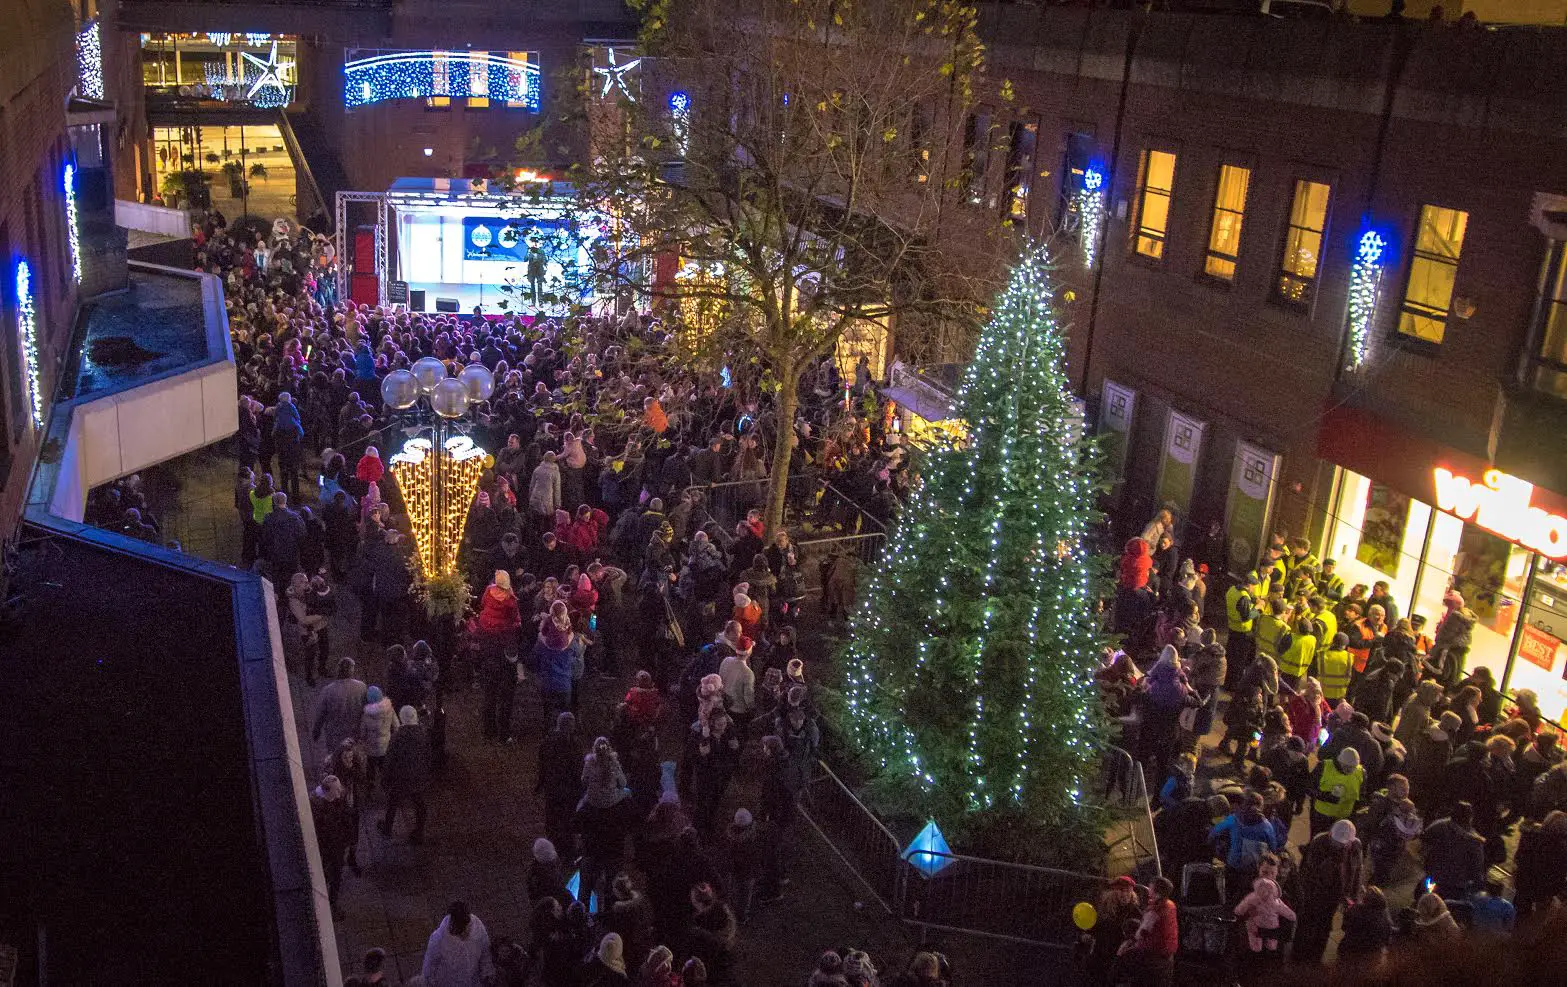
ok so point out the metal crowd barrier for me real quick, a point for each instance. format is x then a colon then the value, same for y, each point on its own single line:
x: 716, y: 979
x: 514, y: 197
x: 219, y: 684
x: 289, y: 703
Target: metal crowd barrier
x: 854, y: 834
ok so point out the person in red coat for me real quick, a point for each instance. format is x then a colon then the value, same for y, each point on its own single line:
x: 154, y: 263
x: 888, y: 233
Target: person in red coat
x: 1148, y: 957
x: 499, y: 614
x: 370, y: 468
x: 1136, y: 563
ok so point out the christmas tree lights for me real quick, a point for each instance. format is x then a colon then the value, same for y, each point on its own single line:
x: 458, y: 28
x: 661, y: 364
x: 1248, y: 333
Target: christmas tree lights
x: 969, y: 670
x: 1365, y: 284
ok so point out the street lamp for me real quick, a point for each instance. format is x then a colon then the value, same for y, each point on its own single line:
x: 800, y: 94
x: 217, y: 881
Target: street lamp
x: 438, y: 476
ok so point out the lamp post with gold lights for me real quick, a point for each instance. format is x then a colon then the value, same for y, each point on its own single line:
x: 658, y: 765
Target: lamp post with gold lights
x: 438, y: 476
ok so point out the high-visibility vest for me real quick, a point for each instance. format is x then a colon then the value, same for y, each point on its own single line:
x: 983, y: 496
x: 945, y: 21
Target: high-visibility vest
x: 1346, y: 787
x: 1270, y: 628
x: 1329, y: 621
x: 1297, y: 657
x: 1232, y: 599
x: 1274, y: 578
x: 1331, y: 587
x: 1333, y: 673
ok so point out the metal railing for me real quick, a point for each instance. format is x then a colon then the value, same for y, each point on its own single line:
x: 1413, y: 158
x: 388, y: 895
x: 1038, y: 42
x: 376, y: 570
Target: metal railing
x: 854, y: 834
x: 949, y: 892
x: 1125, y: 789
x: 994, y: 898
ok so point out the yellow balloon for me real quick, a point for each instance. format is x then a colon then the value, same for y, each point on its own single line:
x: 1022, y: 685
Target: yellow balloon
x: 1084, y: 915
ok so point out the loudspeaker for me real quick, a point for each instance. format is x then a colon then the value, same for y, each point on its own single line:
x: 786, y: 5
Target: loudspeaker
x: 416, y: 299
x: 447, y: 305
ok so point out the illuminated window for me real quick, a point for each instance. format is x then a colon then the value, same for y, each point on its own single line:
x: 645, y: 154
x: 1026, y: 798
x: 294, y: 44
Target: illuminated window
x: 478, y: 80
x: 517, y: 83
x: 1229, y: 208
x: 1155, y: 179
x: 1438, y: 242
x: 1303, y: 243
x: 438, y: 102
x: 1021, y: 142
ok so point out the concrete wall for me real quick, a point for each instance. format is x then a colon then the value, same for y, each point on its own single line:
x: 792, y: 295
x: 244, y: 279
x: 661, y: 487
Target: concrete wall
x: 152, y: 219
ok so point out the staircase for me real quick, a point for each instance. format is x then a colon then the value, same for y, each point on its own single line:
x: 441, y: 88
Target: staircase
x: 321, y: 174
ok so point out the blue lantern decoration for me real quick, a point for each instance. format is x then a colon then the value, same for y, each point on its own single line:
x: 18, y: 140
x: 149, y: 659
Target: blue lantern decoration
x: 1365, y: 284
x: 929, y: 853
x: 574, y: 886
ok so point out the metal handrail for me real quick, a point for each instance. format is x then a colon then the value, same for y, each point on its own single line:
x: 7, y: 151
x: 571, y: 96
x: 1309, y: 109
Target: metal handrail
x: 878, y: 831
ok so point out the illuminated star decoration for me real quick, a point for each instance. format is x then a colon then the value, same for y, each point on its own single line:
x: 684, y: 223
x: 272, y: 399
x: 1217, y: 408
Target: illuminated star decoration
x: 1090, y: 214
x: 271, y: 72
x: 615, y: 76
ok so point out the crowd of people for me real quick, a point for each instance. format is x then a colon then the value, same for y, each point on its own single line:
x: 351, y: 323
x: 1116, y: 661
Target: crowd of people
x: 618, y: 533
x: 1341, y: 717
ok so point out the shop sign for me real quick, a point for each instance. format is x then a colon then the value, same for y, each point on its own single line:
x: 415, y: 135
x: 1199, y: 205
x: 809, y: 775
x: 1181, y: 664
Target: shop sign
x: 1538, y: 647
x: 1501, y: 505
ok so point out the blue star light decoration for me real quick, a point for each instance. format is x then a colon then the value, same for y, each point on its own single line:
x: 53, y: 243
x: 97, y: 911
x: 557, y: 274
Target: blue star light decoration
x: 614, y: 75
x: 271, y: 73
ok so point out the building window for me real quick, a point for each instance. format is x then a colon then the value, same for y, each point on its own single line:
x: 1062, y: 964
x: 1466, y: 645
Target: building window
x: 478, y: 80
x: 1075, y: 162
x: 976, y: 156
x: 919, y: 143
x: 1229, y: 208
x: 1021, y: 143
x: 439, y: 102
x: 1438, y: 242
x: 1547, y: 371
x: 1303, y: 243
x: 1155, y: 179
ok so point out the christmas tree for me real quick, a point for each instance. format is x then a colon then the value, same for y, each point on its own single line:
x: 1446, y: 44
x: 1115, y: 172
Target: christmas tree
x: 969, y: 670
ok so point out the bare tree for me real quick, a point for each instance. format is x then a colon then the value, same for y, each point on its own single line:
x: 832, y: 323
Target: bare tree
x: 794, y: 155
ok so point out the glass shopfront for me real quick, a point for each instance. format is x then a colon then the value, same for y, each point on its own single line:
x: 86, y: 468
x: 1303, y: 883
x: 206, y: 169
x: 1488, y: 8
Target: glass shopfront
x: 1378, y: 534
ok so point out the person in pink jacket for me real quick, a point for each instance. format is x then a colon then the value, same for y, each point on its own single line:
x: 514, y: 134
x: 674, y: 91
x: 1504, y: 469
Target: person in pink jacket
x: 1262, y: 911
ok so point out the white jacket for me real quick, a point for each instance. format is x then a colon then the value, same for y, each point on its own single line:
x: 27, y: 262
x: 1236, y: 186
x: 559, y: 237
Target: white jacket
x: 458, y: 961
x: 739, y: 684
x: 376, y: 725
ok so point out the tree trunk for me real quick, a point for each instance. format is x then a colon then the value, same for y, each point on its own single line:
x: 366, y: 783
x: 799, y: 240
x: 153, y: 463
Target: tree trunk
x: 788, y: 399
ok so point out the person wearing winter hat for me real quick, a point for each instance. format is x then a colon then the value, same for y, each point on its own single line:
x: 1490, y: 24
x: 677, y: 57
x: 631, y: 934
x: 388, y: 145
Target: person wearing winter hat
x: 407, y: 775
x: 546, y: 878
x: 607, y: 968
x: 658, y: 970
x: 1454, y: 853
x: 376, y: 726
x: 828, y: 972
x: 1332, y: 871
x: 1434, y: 924
x: 1263, y: 910
x: 795, y: 671
x: 746, y: 853
x: 644, y: 702
x: 1338, y: 785
x: 335, y: 834
x: 859, y: 970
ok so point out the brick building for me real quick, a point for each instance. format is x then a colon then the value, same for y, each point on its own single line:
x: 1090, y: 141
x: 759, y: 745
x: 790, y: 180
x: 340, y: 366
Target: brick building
x: 1244, y: 160
x: 38, y: 74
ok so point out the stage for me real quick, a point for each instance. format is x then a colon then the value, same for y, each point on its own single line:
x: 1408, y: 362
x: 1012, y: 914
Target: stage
x: 457, y: 244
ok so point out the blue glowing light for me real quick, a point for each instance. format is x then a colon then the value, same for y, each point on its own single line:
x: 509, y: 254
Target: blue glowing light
x: 929, y: 853
x: 457, y: 74
x: 680, y: 110
x: 27, y: 328
x: 1365, y: 284
x: 73, y: 225
x: 1093, y: 179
